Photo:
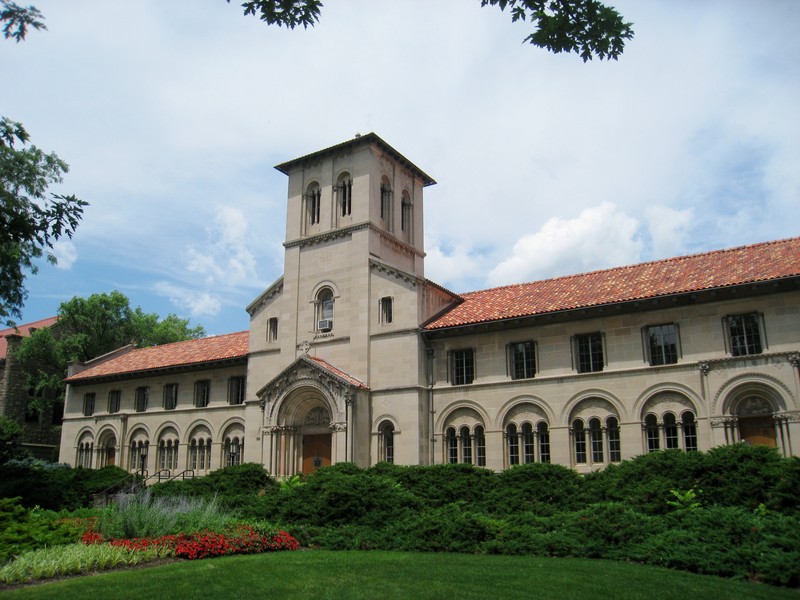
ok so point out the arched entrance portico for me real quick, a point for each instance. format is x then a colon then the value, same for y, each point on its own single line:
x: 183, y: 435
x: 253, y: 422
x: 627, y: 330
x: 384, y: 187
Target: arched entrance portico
x: 308, y: 417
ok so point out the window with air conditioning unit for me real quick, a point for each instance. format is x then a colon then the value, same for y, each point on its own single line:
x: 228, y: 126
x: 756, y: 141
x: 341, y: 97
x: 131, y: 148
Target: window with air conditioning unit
x: 324, y: 310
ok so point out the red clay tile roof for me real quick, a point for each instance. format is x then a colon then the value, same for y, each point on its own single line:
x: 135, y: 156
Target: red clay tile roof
x: 338, y: 373
x: 179, y: 354
x: 23, y: 330
x: 685, y: 274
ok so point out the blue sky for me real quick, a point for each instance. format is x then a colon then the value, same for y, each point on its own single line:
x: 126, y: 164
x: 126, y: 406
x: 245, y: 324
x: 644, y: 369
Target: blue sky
x: 173, y: 114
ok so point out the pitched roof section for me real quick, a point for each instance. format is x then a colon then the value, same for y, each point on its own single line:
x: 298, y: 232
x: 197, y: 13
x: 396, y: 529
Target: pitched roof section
x: 711, y: 270
x: 338, y: 373
x: 357, y: 141
x: 180, y: 354
x: 23, y: 330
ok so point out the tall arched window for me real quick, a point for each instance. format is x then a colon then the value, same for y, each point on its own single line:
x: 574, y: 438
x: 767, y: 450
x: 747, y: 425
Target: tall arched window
x: 452, y: 446
x: 689, y: 431
x: 596, y: 435
x: 407, y: 218
x: 670, y: 432
x: 168, y: 450
x: 527, y: 444
x: 140, y: 448
x: 480, y: 446
x: 344, y: 194
x: 85, y: 451
x: 579, y: 438
x: 651, y: 432
x: 200, y: 450
x: 324, y: 309
x: 544, y: 442
x: 313, y: 200
x: 386, y: 442
x: 466, y: 445
x: 233, y: 448
x: 386, y: 204
x: 612, y: 431
x: 512, y: 440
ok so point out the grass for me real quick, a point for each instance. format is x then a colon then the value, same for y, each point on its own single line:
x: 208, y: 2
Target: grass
x: 385, y: 575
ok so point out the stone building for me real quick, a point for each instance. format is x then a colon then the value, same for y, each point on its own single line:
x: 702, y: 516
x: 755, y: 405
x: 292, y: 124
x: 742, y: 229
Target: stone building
x: 41, y: 431
x: 353, y: 355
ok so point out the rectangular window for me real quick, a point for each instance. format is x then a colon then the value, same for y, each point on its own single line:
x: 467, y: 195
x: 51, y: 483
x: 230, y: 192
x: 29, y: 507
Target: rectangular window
x: 662, y: 344
x: 236, y: 387
x: 142, y: 397
x: 588, y: 353
x: 272, y: 329
x: 202, y: 393
x: 170, y: 396
x: 462, y: 366
x: 114, y: 397
x: 88, y: 404
x: 385, y: 310
x: 614, y: 450
x: 743, y: 333
x: 522, y: 360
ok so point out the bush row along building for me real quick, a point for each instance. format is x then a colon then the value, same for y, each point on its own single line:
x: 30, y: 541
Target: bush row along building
x: 353, y: 355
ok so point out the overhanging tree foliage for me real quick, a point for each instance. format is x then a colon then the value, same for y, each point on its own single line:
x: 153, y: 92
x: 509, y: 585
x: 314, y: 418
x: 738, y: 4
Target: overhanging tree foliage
x: 88, y: 328
x: 586, y: 27
x: 30, y: 223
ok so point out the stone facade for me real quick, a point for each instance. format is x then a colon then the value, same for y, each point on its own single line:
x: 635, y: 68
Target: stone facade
x: 353, y: 355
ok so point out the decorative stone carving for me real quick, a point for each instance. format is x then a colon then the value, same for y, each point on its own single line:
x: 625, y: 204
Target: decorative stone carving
x: 317, y: 417
x: 704, y: 368
x: 753, y: 406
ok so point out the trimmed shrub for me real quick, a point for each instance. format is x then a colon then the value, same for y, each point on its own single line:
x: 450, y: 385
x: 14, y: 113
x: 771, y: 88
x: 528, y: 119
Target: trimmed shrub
x: 537, y: 487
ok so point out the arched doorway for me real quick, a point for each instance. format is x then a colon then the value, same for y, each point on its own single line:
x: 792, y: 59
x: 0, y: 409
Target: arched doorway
x: 756, y: 424
x: 316, y: 439
x: 107, y: 447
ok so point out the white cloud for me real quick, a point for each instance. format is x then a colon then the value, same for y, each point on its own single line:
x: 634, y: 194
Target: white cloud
x: 226, y: 258
x: 453, y: 268
x: 66, y: 254
x: 198, y: 304
x: 603, y: 236
x: 669, y: 229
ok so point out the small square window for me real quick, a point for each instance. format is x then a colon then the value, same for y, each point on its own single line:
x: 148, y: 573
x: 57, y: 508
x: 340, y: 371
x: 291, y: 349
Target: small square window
x: 272, y: 329
x: 744, y: 334
x: 202, y: 393
x: 521, y: 360
x: 114, y: 397
x: 236, y: 390
x: 588, y: 353
x: 88, y: 404
x: 385, y: 314
x: 662, y: 344
x: 462, y: 366
x: 170, y: 396
x: 142, y: 398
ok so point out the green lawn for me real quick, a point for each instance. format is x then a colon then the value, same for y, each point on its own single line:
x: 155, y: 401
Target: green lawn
x: 353, y: 575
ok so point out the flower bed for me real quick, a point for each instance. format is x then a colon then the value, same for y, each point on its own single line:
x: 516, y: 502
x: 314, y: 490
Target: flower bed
x: 241, y: 539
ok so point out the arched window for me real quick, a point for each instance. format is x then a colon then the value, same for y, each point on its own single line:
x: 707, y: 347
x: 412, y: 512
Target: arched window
x: 512, y: 440
x: 579, y: 438
x: 140, y: 448
x: 466, y: 445
x: 670, y: 432
x: 386, y: 204
x: 651, y: 432
x: 233, y: 448
x: 452, y: 446
x: 386, y: 442
x: 313, y: 200
x: 527, y: 444
x: 689, y: 432
x: 200, y: 450
x: 324, y: 309
x: 344, y: 194
x: 596, y: 435
x: 480, y: 446
x: 544, y: 442
x: 85, y: 451
x: 168, y: 450
x: 407, y: 218
x: 612, y: 431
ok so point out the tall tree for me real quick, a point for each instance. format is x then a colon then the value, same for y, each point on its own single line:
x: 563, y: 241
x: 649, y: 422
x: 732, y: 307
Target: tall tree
x: 88, y: 328
x: 30, y: 223
x: 586, y: 27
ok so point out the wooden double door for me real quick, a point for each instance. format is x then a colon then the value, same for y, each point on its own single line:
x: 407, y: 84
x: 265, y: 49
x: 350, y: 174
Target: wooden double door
x: 316, y: 451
